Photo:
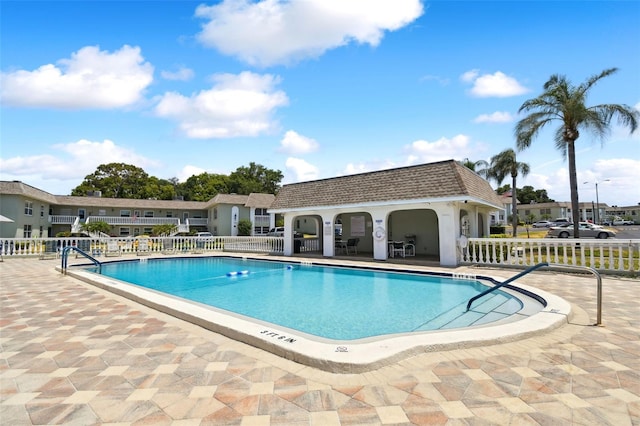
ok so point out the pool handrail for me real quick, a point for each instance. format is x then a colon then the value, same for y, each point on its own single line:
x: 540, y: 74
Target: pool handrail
x: 65, y: 258
x: 515, y: 277
x: 599, y: 287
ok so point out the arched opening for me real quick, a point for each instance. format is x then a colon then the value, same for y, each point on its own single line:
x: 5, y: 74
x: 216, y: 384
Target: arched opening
x: 417, y: 228
x: 352, y: 234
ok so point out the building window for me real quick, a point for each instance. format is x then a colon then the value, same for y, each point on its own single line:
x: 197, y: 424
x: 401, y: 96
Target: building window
x: 28, y: 209
x: 215, y: 213
x: 125, y: 232
x: 26, y: 231
x: 169, y: 214
x: 147, y: 231
x: 125, y: 213
x: 41, y: 211
x: 148, y: 213
x: 102, y: 212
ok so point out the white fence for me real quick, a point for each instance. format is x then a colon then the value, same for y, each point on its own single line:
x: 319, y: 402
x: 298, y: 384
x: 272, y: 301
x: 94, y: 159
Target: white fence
x: 121, y: 246
x: 610, y: 255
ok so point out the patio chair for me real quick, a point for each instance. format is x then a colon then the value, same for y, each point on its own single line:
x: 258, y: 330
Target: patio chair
x: 143, y: 247
x: 167, y: 246
x: 113, y: 249
x: 397, y: 248
x: 352, y: 245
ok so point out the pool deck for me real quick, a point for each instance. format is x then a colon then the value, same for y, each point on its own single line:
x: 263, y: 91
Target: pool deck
x: 71, y: 353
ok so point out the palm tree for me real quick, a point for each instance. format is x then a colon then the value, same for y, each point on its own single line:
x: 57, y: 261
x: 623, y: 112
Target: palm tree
x: 503, y: 165
x: 564, y: 102
x: 480, y: 166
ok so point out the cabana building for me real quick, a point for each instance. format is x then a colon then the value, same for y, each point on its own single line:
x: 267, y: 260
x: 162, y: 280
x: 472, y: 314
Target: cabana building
x: 428, y: 210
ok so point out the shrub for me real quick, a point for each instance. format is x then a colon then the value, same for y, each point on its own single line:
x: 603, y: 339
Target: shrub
x: 497, y: 229
x: 244, y: 227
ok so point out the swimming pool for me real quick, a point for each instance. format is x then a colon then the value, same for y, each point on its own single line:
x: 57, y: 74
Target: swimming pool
x: 325, y: 301
x: 351, y: 344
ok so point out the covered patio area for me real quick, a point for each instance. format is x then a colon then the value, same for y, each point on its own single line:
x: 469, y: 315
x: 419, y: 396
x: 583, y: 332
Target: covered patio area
x: 424, y: 210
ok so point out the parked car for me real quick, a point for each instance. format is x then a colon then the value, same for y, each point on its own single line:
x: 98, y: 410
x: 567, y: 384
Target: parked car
x: 542, y: 224
x: 617, y: 221
x: 276, y: 232
x: 204, y: 235
x: 561, y: 221
x: 586, y: 229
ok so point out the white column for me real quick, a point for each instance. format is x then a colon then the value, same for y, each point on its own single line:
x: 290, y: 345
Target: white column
x: 380, y: 233
x: 449, y: 231
x: 288, y: 234
x: 328, y: 234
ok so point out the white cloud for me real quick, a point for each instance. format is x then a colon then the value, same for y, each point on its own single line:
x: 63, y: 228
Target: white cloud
x: 302, y: 170
x: 496, y: 117
x: 91, y: 78
x: 74, y: 161
x: 497, y: 84
x: 236, y: 105
x: 422, y: 151
x: 294, y: 143
x: 441, y: 80
x: 282, y: 31
x: 182, y: 74
x: 187, y: 171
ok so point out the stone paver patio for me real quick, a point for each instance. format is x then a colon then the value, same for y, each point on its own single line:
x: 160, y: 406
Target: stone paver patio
x: 74, y: 354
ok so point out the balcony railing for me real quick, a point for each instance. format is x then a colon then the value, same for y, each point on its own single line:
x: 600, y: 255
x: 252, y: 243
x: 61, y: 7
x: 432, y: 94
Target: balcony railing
x: 62, y: 219
x: 134, y: 221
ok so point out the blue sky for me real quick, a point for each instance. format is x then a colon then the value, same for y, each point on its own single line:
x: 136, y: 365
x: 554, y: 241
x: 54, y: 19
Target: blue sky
x: 314, y: 88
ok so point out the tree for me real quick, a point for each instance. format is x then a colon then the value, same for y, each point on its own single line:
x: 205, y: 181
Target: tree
x: 503, y: 165
x: 565, y: 102
x: 204, y: 186
x: 115, y: 180
x: 480, y: 166
x: 164, y: 229
x: 529, y: 195
x: 96, y: 227
x: 255, y: 178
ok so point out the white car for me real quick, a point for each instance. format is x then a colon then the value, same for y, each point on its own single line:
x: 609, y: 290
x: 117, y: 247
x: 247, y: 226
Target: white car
x: 276, y: 232
x: 542, y: 224
x: 586, y: 230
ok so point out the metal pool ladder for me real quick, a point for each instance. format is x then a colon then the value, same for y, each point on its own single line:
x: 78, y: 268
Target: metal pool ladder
x: 65, y: 258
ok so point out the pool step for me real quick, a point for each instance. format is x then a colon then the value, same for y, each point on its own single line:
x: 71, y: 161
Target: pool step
x: 491, y: 308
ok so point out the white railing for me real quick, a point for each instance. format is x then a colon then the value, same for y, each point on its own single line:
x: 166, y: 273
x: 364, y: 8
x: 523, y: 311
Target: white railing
x: 62, y: 219
x: 10, y: 247
x: 610, y: 255
x: 131, y: 220
x: 198, y: 221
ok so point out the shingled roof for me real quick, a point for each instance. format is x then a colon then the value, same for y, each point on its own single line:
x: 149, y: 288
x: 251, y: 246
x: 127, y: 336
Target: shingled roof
x: 19, y: 188
x: 259, y: 200
x: 444, y: 179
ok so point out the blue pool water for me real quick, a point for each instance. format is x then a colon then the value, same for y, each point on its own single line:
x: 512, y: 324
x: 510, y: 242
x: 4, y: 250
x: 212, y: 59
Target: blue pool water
x: 330, y: 302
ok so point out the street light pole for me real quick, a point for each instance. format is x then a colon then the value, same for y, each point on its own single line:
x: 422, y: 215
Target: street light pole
x: 597, y: 206
x: 596, y: 215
